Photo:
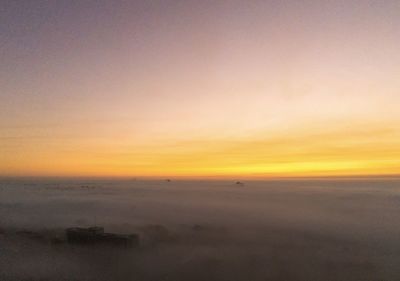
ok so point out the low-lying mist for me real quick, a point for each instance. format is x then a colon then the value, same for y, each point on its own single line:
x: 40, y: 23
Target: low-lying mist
x: 203, y: 230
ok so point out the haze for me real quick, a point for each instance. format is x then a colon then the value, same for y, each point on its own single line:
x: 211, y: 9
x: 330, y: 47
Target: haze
x: 182, y: 140
x: 293, y: 230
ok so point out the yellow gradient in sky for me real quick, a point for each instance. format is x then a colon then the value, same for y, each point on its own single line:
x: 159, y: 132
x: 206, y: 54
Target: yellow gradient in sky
x: 348, y: 151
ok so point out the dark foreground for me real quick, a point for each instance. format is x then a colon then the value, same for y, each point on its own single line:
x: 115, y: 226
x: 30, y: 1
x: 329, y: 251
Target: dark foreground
x: 282, y: 230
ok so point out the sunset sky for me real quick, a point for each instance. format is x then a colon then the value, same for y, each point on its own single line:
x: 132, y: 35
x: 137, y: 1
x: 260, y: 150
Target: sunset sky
x: 199, y: 88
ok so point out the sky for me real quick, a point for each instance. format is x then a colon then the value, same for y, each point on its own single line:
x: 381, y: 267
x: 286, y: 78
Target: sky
x: 199, y: 88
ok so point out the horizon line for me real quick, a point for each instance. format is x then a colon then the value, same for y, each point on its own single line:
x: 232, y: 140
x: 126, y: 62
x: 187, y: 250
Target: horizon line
x: 177, y: 177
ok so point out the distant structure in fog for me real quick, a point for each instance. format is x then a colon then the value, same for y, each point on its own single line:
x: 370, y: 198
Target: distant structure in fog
x: 96, y: 235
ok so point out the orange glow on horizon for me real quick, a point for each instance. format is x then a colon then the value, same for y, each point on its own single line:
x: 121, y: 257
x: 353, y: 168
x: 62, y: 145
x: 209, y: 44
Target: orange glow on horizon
x: 341, y: 152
